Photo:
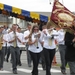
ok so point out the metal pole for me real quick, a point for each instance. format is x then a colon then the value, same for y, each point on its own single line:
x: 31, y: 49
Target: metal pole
x: 16, y: 20
x: 62, y: 2
x: 50, y: 1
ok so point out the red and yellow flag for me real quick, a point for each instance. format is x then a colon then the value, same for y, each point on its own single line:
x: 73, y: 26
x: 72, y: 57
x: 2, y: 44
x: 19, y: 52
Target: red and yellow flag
x: 61, y: 16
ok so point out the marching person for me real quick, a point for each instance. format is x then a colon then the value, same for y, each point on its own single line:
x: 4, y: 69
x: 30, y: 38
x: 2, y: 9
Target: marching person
x: 42, y: 53
x: 21, y: 42
x: 2, y: 48
x: 49, y: 46
x: 62, y: 49
x: 70, y: 51
x: 14, y: 49
x: 35, y: 47
x: 26, y: 34
x: 8, y: 46
x: 5, y: 31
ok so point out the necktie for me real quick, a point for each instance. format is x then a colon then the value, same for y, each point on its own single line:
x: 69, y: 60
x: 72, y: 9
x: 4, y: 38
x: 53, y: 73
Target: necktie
x: 50, y: 40
x: 36, y: 44
x: 15, y: 42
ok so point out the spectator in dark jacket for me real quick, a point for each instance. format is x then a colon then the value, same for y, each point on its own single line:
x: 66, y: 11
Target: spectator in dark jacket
x: 70, y: 52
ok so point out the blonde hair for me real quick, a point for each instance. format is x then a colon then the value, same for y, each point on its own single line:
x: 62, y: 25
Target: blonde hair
x: 48, y: 24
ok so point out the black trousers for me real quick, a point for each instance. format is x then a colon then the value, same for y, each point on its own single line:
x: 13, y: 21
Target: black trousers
x: 8, y: 53
x: 49, y: 55
x: 35, y: 58
x: 19, y: 63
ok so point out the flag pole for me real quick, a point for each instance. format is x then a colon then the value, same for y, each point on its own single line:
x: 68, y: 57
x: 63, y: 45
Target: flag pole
x: 62, y: 2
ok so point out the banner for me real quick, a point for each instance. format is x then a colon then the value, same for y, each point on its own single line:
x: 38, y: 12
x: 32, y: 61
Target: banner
x: 61, y: 16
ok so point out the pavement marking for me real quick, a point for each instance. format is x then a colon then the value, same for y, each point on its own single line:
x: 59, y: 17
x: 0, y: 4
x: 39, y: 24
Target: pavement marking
x: 24, y: 70
x: 29, y: 71
x: 52, y: 70
x: 55, y: 71
x: 4, y: 71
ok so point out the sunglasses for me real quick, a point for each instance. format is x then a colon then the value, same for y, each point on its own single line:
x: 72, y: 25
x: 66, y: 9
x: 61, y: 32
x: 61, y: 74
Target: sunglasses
x: 36, y: 29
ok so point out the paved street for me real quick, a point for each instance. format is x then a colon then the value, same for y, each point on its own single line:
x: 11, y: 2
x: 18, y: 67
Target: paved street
x: 25, y: 70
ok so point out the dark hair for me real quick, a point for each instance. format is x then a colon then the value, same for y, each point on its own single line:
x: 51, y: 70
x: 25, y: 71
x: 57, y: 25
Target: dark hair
x: 28, y: 24
x: 19, y: 28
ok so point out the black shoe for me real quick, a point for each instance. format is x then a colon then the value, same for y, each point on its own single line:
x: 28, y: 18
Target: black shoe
x: 44, y: 68
x: 15, y: 71
x: 34, y: 74
x: 20, y: 64
x: 29, y: 65
x: 7, y: 60
x: 63, y: 72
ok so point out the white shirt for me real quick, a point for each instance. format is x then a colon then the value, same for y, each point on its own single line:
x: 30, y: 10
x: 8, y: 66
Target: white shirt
x: 32, y: 47
x: 5, y: 31
x: 21, y: 37
x: 4, y: 43
x: 11, y: 37
x: 46, y: 38
x: 26, y: 33
x: 6, y: 38
x: 60, y: 39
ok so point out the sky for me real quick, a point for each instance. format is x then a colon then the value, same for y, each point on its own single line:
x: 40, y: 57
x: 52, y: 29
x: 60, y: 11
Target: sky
x: 38, y: 5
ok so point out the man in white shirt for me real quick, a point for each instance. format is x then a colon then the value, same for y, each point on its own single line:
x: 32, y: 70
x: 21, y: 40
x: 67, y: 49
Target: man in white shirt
x: 26, y: 34
x: 14, y: 49
x: 8, y: 46
x: 42, y: 53
x: 21, y: 42
x: 62, y: 50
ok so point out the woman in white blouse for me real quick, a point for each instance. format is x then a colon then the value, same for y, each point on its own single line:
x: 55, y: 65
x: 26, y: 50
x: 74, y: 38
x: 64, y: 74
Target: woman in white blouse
x: 49, y: 46
x: 35, y: 47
